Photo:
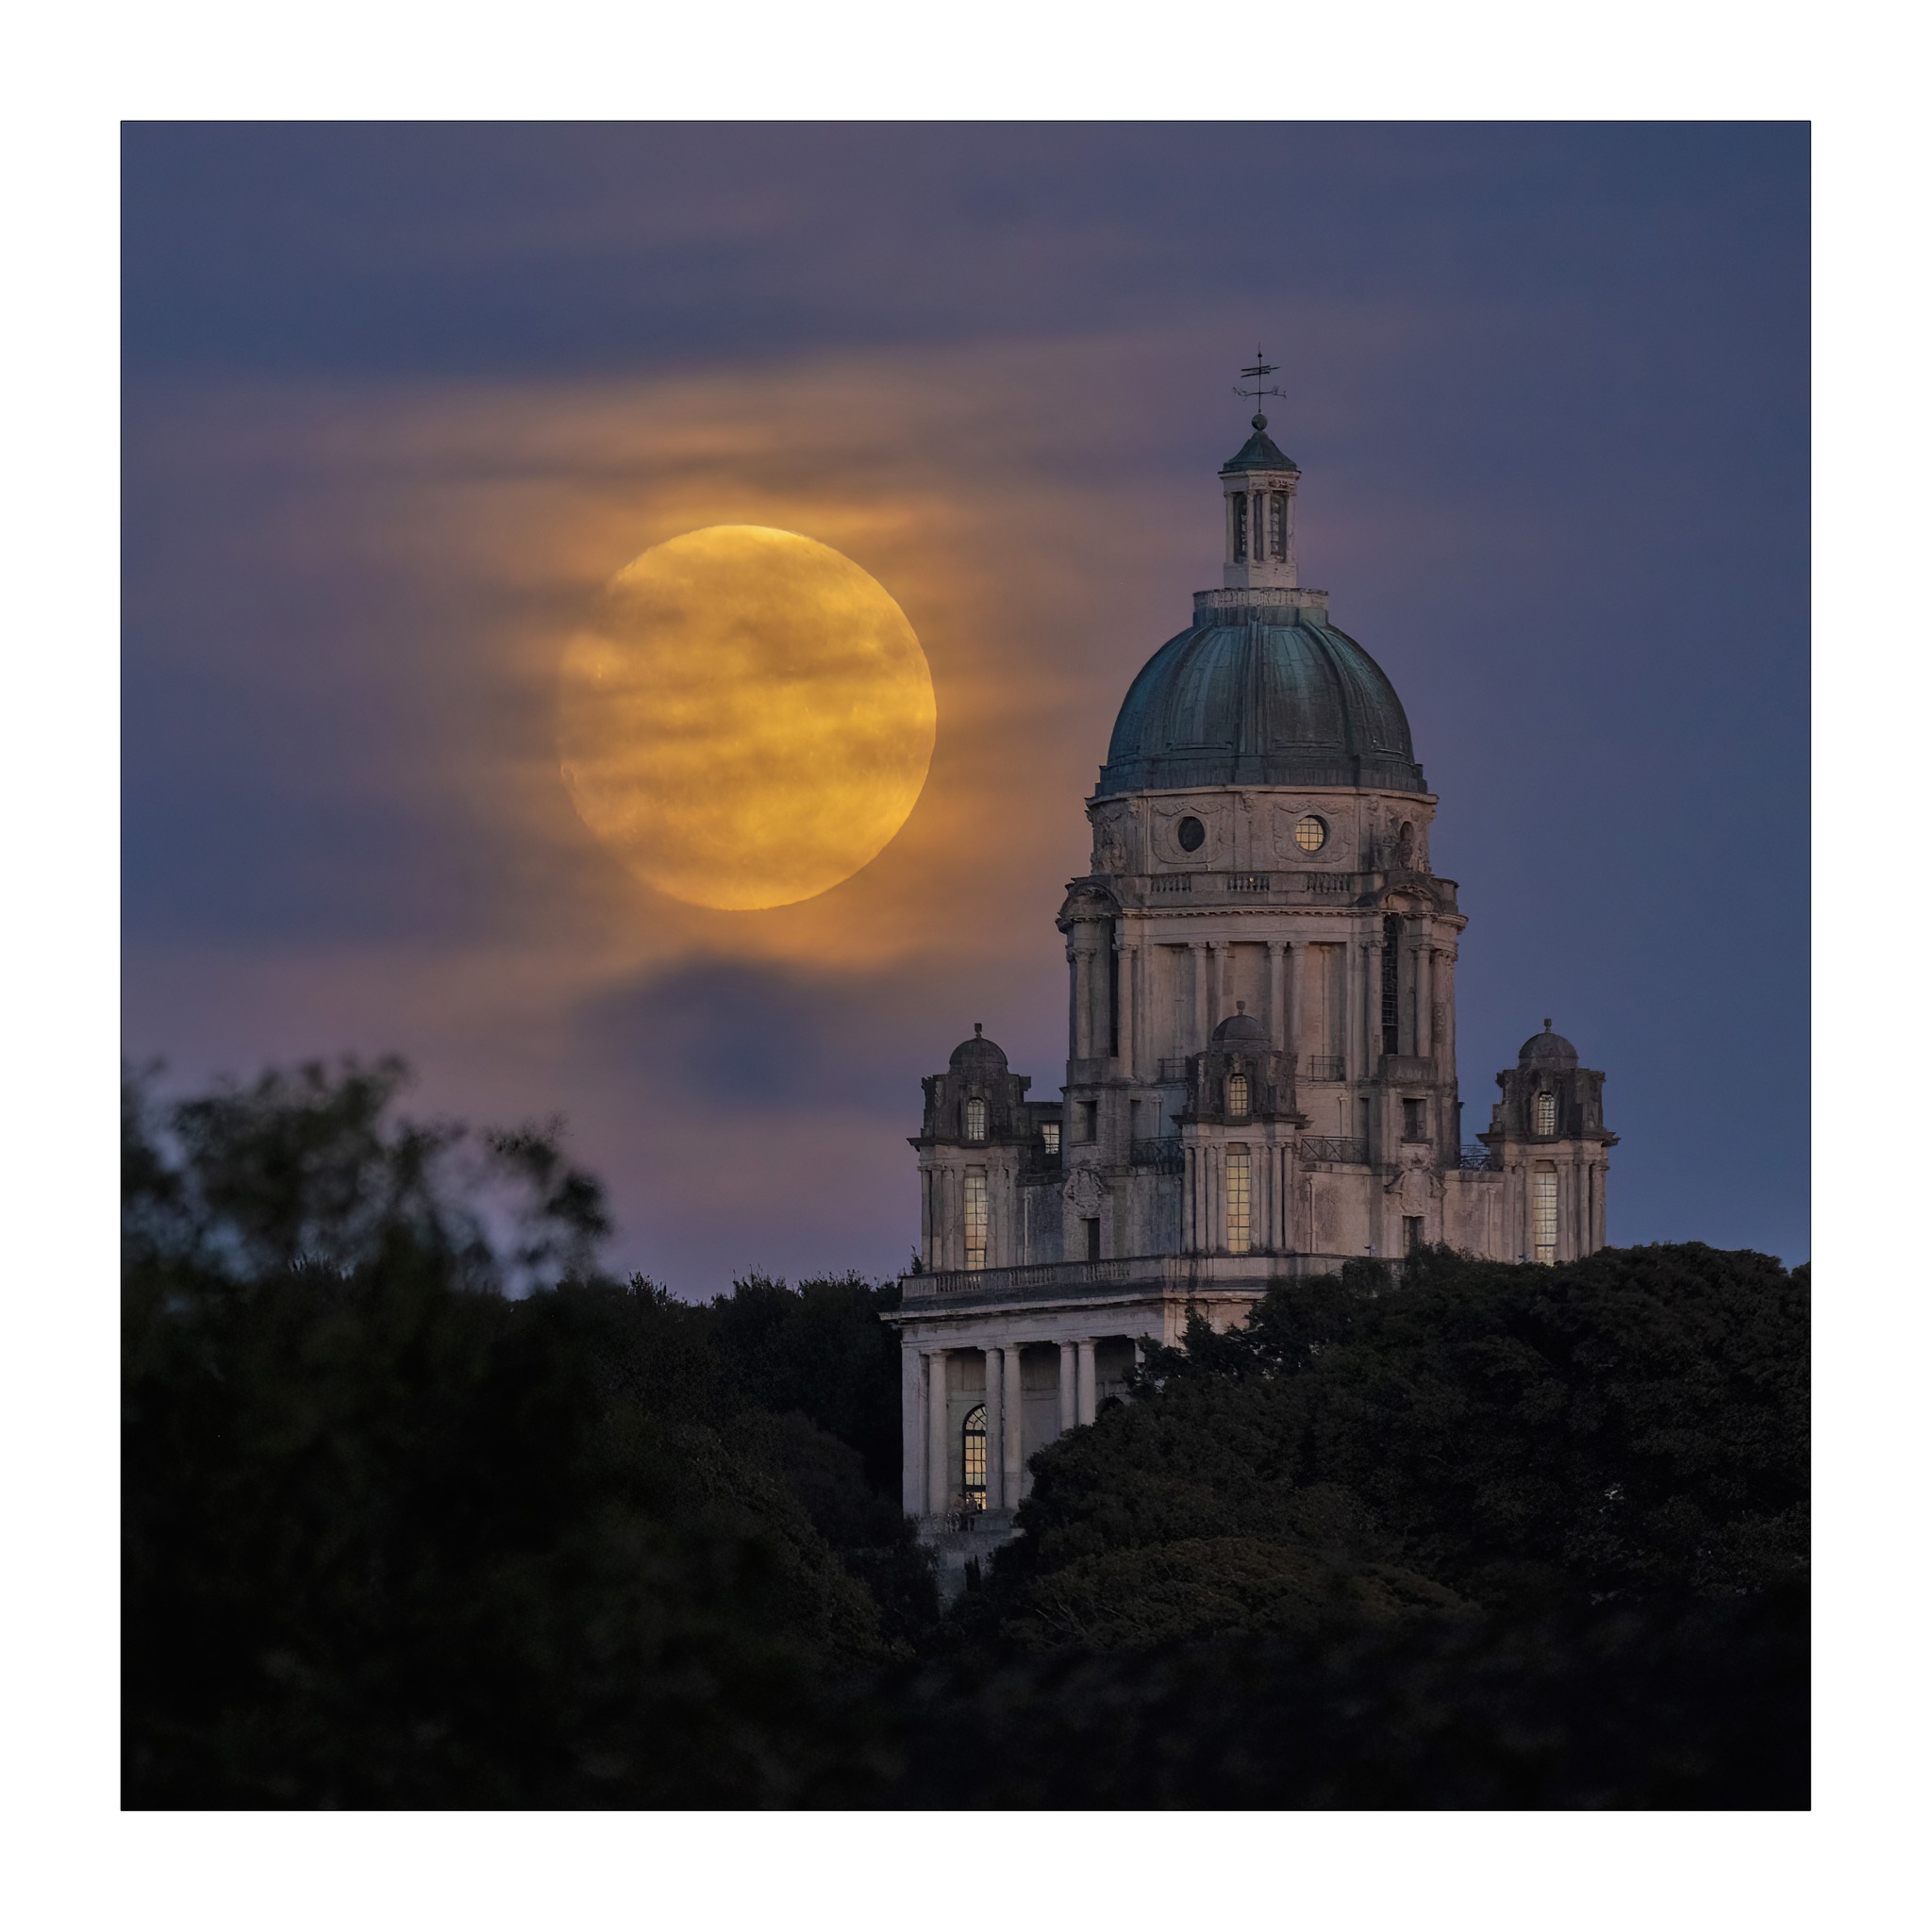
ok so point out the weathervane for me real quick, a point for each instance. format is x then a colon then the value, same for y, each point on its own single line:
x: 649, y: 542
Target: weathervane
x: 1259, y: 374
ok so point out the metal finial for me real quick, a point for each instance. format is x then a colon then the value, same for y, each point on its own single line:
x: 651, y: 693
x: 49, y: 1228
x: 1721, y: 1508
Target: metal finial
x: 1258, y: 374
x: 1546, y: 1026
x: 978, y: 1028
x: 1241, y: 1005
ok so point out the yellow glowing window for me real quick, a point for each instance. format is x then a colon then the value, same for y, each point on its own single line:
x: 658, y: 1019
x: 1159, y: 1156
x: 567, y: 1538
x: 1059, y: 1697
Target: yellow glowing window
x: 1237, y: 1094
x: 1542, y: 1213
x: 973, y: 1458
x: 1050, y: 1136
x: 1543, y: 1117
x: 975, y: 1217
x: 975, y: 1119
x: 1238, y: 1196
x: 1310, y: 833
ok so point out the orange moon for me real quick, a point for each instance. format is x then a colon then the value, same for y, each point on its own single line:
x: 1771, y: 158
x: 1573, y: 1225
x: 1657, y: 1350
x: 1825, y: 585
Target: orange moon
x: 748, y: 720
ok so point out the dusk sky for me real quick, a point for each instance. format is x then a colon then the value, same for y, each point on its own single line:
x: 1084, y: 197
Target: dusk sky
x: 400, y: 400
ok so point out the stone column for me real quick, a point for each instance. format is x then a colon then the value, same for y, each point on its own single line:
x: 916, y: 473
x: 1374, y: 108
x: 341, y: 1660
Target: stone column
x: 995, y: 1430
x: 1425, y: 993
x: 1068, y: 1386
x: 1129, y: 1010
x: 912, y: 1432
x: 938, y: 1434
x: 1203, y: 955
x: 1089, y: 1404
x: 1012, y: 1450
x: 1273, y: 1014
x: 1296, y: 997
x: 1371, y: 1008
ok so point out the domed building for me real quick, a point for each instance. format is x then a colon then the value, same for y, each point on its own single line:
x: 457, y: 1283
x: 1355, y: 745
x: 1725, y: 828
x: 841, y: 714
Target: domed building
x: 1260, y: 1077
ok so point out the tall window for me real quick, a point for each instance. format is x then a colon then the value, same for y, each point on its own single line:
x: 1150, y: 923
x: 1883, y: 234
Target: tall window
x: 1278, y: 524
x: 1237, y: 1094
x: 1091, y: 1223
x: 972, y: 1458
x: 1413, y: 1125
x: 1050, y: 1136
x: 1239, y: 1197
x: 1542, y: 1213
x: 1392, y: 968
x: 1241, y: 528
x: 1542, y: 1116
x: 975, y: 1217
x: 1411, y: 1232
x: 975, y: 1119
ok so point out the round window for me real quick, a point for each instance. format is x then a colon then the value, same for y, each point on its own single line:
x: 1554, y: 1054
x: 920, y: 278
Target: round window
x: 1191, y: 833
x: 1311, y: 834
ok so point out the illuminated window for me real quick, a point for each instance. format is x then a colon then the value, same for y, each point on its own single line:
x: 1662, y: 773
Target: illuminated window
x: 1544, y: 1114
x: 1542, y: 1213
x: 1278, y: 524
x: 1050, y: 1136
x: 1237, y: 1200
x: 1237, y: 1094
x: 975, y: 1217
x: 1310, y: 833
x: 972, y: 1458
x: 975, y: 1119
x: 1241, y: 528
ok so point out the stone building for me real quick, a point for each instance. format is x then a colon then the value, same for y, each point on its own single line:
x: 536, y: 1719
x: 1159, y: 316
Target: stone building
x: 1260, y: 1077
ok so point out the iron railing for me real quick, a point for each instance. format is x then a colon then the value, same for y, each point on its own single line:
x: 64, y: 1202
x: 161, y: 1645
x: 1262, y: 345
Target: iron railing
x: 1174, y: 1068
x: 1325, y: 1066
x: 1477, y: 1158
x: 1162, y: 1154
x: 1343, y: 1148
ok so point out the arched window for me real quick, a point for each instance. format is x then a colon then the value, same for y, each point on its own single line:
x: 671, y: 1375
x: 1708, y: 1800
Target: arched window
x: 972, y: 1458
x: 1237, y: 1094
x: 975, y: 1217
x: 1542, y: 1116
x: 975, y: 1119
x: 1238, y: 1195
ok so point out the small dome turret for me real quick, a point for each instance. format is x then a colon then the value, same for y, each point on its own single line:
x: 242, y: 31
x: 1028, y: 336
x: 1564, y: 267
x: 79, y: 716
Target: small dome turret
x: 1240, y: 1029
x: 1547, y: 1049
x: 977, y: 1057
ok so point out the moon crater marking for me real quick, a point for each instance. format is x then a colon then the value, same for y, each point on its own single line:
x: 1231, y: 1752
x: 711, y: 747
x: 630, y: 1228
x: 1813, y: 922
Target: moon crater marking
x: 749, y: 718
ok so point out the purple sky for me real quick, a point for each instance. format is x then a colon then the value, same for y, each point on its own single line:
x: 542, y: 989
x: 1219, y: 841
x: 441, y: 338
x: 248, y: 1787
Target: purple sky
x: 399, y: 399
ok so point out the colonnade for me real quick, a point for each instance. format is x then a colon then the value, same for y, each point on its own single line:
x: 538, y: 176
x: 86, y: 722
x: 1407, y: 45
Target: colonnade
x: 1006, y: 1455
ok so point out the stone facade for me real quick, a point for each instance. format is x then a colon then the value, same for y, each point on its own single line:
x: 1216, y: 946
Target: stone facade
x: 1260, y: 1077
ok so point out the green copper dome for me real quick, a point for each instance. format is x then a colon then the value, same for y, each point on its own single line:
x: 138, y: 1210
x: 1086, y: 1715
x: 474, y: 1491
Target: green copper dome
x: 1261, y: 691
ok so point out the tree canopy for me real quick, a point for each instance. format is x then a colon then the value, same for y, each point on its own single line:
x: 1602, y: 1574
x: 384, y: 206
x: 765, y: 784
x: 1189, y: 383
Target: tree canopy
x: 421, y: 1510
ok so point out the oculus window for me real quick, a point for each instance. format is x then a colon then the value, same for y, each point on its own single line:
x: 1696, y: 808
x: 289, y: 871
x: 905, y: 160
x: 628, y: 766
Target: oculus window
x: 1191, y: 833
x: 1310, y: 833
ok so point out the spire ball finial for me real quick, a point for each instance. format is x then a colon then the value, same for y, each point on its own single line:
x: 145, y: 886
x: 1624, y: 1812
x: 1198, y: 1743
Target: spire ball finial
x: 1241, y: 1005
x: 978, y: 1028
x: 1257, y: 421
x: 1546, y: 1026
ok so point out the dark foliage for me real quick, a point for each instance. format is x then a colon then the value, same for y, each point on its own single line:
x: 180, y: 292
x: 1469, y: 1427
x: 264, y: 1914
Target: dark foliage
x: 421, y: 1511
x: 393, y: 1539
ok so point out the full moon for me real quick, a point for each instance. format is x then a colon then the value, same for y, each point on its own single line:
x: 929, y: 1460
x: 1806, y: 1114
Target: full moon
x: 748, y: 720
